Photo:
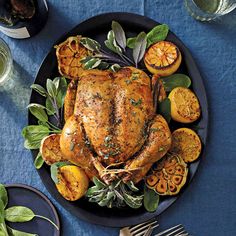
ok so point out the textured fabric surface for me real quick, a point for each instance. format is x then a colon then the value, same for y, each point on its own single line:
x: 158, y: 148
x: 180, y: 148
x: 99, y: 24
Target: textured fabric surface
x: 208, y: 207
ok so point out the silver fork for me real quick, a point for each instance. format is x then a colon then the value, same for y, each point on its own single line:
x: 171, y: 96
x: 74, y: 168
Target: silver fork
x: 177, y: 230
x: 140, y: 229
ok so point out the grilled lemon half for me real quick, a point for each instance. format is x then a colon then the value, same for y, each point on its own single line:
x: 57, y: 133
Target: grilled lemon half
x: 163, y: 58
x: 69, y: 55
x: 185, y: 107
x: 186, y: 143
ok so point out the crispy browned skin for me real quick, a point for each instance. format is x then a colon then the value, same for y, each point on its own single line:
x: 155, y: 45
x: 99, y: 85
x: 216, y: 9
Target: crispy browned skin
x: 73, y: 146
x: 70, y: 98
x: 115, y: 110
x: 156, y: 146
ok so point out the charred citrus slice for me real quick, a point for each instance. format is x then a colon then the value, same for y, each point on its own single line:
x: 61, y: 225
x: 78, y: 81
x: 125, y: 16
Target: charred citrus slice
x: 163, y: 58
x: 186, y: 143
x: 69, y: 54
x: 171, y: 178
x: 185, y: 107
x: 72, y: 182
x: 50, y: 149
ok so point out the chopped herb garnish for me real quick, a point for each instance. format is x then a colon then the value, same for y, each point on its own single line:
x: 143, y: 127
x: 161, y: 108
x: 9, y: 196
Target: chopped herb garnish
x: 161, y: 149
x: 72, y: 145
x: 136, y: 103
x: 154, y: 130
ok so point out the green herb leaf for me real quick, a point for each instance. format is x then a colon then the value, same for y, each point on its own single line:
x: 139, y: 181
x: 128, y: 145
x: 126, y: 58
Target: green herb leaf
x: 157, y: 34
x: 176, y: 80
x: 33, y: 134
x: 92, y: 63
x: 61, y: 91
x: 114, y: 67
x: 92, y: 191
x: 136, y: 103
x: 14, y: 232
x: 132, y: 201
x: 2, y: 207
x: 90, y: 44
x: 99, y: 183
x: 38, y: 162
x: 38, y: 111
x: 111, y: 43
x: 51, y: 88
x: 39, y: 89
x: 3, y: 195
x: 50, y: 107
x: 132, y: 187
x: 164, y: 109
x: 151, y: 199
x: 54, y: 170
x: 19, y: 214
x: 131, y: 42
x: 119, y: 34
x: 139, y: 47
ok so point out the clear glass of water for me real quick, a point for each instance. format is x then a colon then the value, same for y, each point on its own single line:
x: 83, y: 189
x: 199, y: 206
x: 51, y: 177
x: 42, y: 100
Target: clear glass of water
x: 206, y: 10
x: 5, y: 62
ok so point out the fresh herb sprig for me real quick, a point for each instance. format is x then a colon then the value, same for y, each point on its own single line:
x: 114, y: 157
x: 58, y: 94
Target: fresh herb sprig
x: 117, y: 194
x: 15, y: 214
x: 117, y: 43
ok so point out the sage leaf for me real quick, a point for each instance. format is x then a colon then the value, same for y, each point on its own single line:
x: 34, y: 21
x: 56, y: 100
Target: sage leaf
x: 51, y: 109
x: 176, y: 80
x: 111, y: 43
x: 33, y: 134
x: 157, y: 34
x: 92, y: 191
x: 103, y: 65
x: 131, y: 201
x: 131, y: 42
x: 151, y: 199
x: 61, y: 92
x: 2, y: 207
x: 51, y: 88
x: 164, y: 109
x: 3, y: 195
x: 38, y: 111
x: 90, y: 44
x: 14, y: 232
x: 19, y: 214
x: 38, y: 162
x: 54, y: 170
x: 119, y: 34
x: 132, y: 187
x: 114, y: 67
x: 39, y: 89
x: 139, y: 47
x: 92, y: 63
x: 99, y: 183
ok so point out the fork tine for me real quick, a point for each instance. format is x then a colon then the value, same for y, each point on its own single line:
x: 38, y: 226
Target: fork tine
x: 182, y: 233
x: 173, y: 233
x: 170, y: 229
x: 151, y: 227
x: 143, y: 228
x: 131, y: 228
x: 148, y: 232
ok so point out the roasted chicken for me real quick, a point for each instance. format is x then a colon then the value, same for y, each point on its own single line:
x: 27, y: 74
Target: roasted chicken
x: 111, y: 128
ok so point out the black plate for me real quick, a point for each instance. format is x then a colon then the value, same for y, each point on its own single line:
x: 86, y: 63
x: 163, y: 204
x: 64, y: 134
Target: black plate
x: 24, y: 195
x: 97, y: 28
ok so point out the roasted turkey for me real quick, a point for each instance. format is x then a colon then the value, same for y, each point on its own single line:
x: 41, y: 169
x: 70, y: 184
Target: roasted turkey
x: 111, y: 129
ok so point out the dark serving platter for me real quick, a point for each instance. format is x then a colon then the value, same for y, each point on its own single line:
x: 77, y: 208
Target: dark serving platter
x: 97, y: 28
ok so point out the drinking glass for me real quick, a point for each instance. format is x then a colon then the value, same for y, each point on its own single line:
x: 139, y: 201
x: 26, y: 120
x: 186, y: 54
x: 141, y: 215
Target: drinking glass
x: 5, y: 62
x: 206, y: 10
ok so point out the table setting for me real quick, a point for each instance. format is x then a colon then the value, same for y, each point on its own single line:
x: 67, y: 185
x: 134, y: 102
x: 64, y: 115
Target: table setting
x: 117, y: 118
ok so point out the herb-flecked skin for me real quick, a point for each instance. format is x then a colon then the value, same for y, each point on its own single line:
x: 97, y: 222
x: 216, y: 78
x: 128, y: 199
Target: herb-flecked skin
x: 114, y: 123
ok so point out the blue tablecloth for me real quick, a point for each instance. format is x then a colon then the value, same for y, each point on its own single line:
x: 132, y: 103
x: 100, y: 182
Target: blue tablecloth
x: 208, y: 207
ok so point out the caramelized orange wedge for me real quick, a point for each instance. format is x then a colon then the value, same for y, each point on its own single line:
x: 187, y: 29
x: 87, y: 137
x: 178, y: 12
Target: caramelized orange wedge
x: 163, y: 58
